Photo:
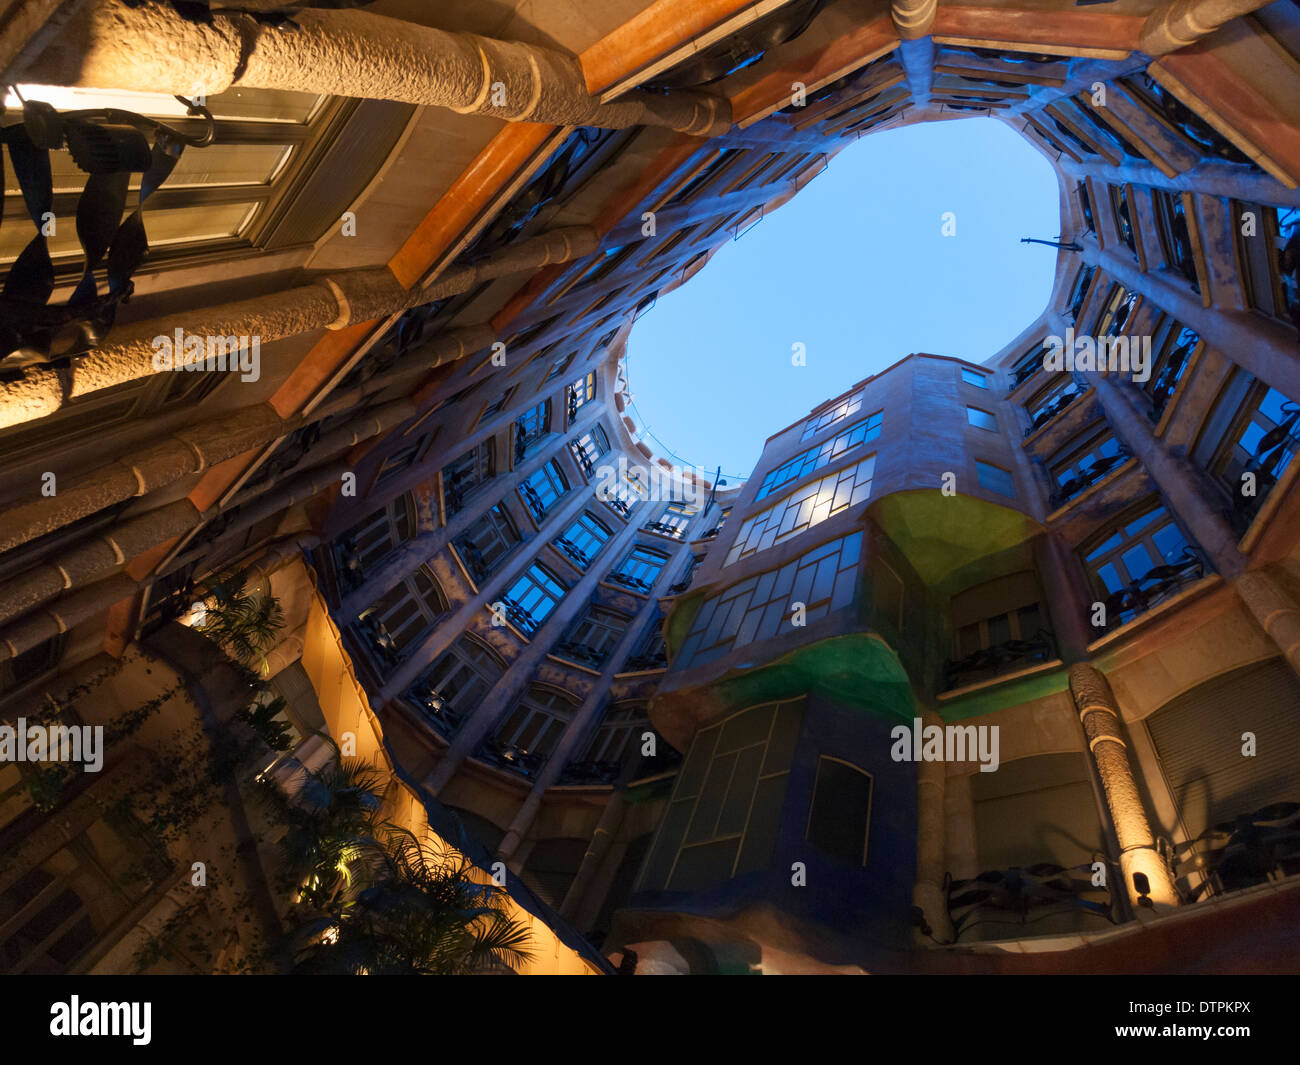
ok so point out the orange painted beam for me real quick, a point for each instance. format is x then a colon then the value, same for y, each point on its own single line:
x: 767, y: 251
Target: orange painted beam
x: 1077, y: 29
x: 649, y: 36
x: 1204, y: 73
x: 470, y: 194
x: 839, y: 57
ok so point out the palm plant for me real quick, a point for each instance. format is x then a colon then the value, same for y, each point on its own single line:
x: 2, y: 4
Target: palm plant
x: 418, y: 909
x: 243, y: 622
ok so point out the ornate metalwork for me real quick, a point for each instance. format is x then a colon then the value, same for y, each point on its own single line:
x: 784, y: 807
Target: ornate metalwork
x: 1156, y: 584
x: 109, y: 145
x: 1071, y: 392
x: 1268, y: 455
x: 441, y: 715
x: 1001, y: 658
x: 1088, y: 476
x: 1248, y: 850
x: 1024, y: 896
x: 511, y: 756
x: 579, y: 652
x: 590, y: 773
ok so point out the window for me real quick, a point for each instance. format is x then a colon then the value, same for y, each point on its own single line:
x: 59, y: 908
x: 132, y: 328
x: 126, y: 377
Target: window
x: 1079, y: 292
x: 530, y: 428
x: 653, y: 652
x: 1175, y: 234
x: 1116, y: 312
x: 1083, y: 462
x: 1268, y: 251
x: 725, y: 813
x: 981, y: 419
x: 759, y: 607
x: 673, y: 521
x: 1027, y: 366
x: 532, y: 597
x: 1052, y: 401
x: 845, y: 408
x: 995, y: 479
x: 532, y: 730
x: 495, y: 406
x: 1174, y: 344
x: 402, y: 459
x: 560, y: 365
x: 466, y: 474
x: 626, y: 491
x: 1248, y: 441
x: 397, y: 622
x: 974, y: 377
x: 821, y: 455
x: 580, y: 393
x: 589, y: 448
x: 592, y: 639
x: 1123, y: 217
x: 1139, y: 561
x: 543, y: 489
x: 619, y: 735
x: 840, y: 811
x: 486, y: 543
x: 582, y: 541
x: 802, y: 509
x: 458, y: 681
x: 368, y: 542
x: 640, y: 568
x: 998, y: 626
x: 1085, y: 206
x: 218, y: 196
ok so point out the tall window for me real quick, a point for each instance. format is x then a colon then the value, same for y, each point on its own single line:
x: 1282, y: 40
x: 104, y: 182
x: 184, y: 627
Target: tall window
x: 589, y: 448
x: 998, y: 626
x: 1123, y: 216
x: 981, y: 419
x: 1138, y: 561
x: 579, y: 393
x: 486, y: 543
x: 1175, y: 234
x: 529, y: 735
x: 533, y: 597
x: 1052, y: 401
x: 802, y: 509
x: 1082, y: 462
x: 995, y: 479
x: 1079, y: 292
x: 1118, y: 309
x: 466, y: 474
x: 640, y: 568
x: 837, y: 412
x: 1268, y: 249
x: 530, y: 428
x: 368, y: 542
x: 840, y: 814
x: 543, y: 489
x: 1085, y: 206
x: 582, y: 541
x: 619, y: 735
x: 1250, y: 438
x: 821, y: 455
x: 760, y: 607
x: 458, y: 681
x: 1173, y: 345
x: 398, y: 621
x: 593, y: 637
x: 673, y: 520
x: 725, y: 813
x: 403, y: 459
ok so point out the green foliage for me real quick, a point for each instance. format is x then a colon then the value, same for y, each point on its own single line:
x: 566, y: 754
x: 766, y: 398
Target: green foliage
x: 260, y: 717
x: 243, y: 622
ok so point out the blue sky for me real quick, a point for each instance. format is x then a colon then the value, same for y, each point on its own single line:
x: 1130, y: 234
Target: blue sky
x: 857, y: 270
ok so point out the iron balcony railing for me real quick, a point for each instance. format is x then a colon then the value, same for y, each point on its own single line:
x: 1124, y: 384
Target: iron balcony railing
x: 1087, y: 476
x: 989, y: 662
x: 1153, y: 587
x: 1265, y: 463
x: 1024, y: 896
x: 1250, y: 849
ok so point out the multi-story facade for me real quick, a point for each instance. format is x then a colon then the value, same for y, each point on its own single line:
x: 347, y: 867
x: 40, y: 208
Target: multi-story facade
x: 671, y: 715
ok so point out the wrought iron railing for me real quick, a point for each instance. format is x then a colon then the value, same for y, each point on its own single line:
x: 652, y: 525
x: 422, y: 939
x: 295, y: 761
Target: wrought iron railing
x: 1250, y: 849
x: 1057, y: 406
x: 379, y: 641
x: 511, y: 756
x: 1087, y: 476
x: 1156, y: 585
x: 573, y: 551
x: 1001, y: 658
x: 649, y: 660
x: 635, y: 583
x: 1167, y: 379
x: 441, y: 715
x: 677, y: 532
x: 1265, y: 463
x: 579, y: 652
x: 590, y: 773
x: 352, y: 573
x: 1023, y: 896
x: 1025, y: 371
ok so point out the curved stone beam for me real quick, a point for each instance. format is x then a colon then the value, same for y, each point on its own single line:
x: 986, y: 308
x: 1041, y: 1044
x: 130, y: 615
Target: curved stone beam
x: 913, y: 18
x: 150, y: 48
x: 1179, y: 23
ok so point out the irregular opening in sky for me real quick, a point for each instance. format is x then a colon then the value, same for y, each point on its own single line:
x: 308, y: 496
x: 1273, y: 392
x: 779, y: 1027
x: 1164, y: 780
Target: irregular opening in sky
x: 856, y: 268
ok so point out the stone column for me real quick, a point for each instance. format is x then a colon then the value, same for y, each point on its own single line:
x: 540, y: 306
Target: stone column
x: 1178, y: 23
x: 611, y: 819
x: 151, y: 48
x: 931, y: 861
x: 1274, y: 609
x: 913, y: 18
x: 1099, y: 716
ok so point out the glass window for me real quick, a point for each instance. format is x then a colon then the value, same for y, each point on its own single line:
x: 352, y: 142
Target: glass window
x: 981, y: 419
x: 593, y: 637
x: 837, y: 412
x: 530, y: 428
x: 589, y: 448
x: 458, y: 681
x: 974, y: 377
x: 460, y: 478
x: 640, y: 568
x: 398, y: 621
x: 542, y: 489
x: 529, y: 734
x: 580, y: 393
x: 486, y: 543
x: 840, y: 812
x: 1139, y: 561
x: 995, y: 478
x: 582, y: 541
x: 532, y: 597
x: 368, y: 542
x: 821, y: 455
x: 802, y: 509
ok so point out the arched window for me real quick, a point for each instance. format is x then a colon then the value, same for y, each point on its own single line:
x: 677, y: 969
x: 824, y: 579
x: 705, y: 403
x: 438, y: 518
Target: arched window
x: 400, y: 619
x: 458, y: 681
x: 533, y: 728
x: 360, y: 549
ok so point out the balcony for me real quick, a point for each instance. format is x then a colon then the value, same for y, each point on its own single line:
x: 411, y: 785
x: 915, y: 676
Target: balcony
x: 675, y: 532
x: 1250, y: 849
x: 657, y: 659
x: 377, y: 640
x: 1270, y: 455
x: 510, y: 756
x: 1156, y: 585
x: 1019, y: 896
x: 1006, y: 657
x: 581, y: 653
x: 445, y: 720
x: 1059, y: 402
x: 350, y: 569
x: 636, y: 584
x: 590, y: 773
x: 1087, y: 476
